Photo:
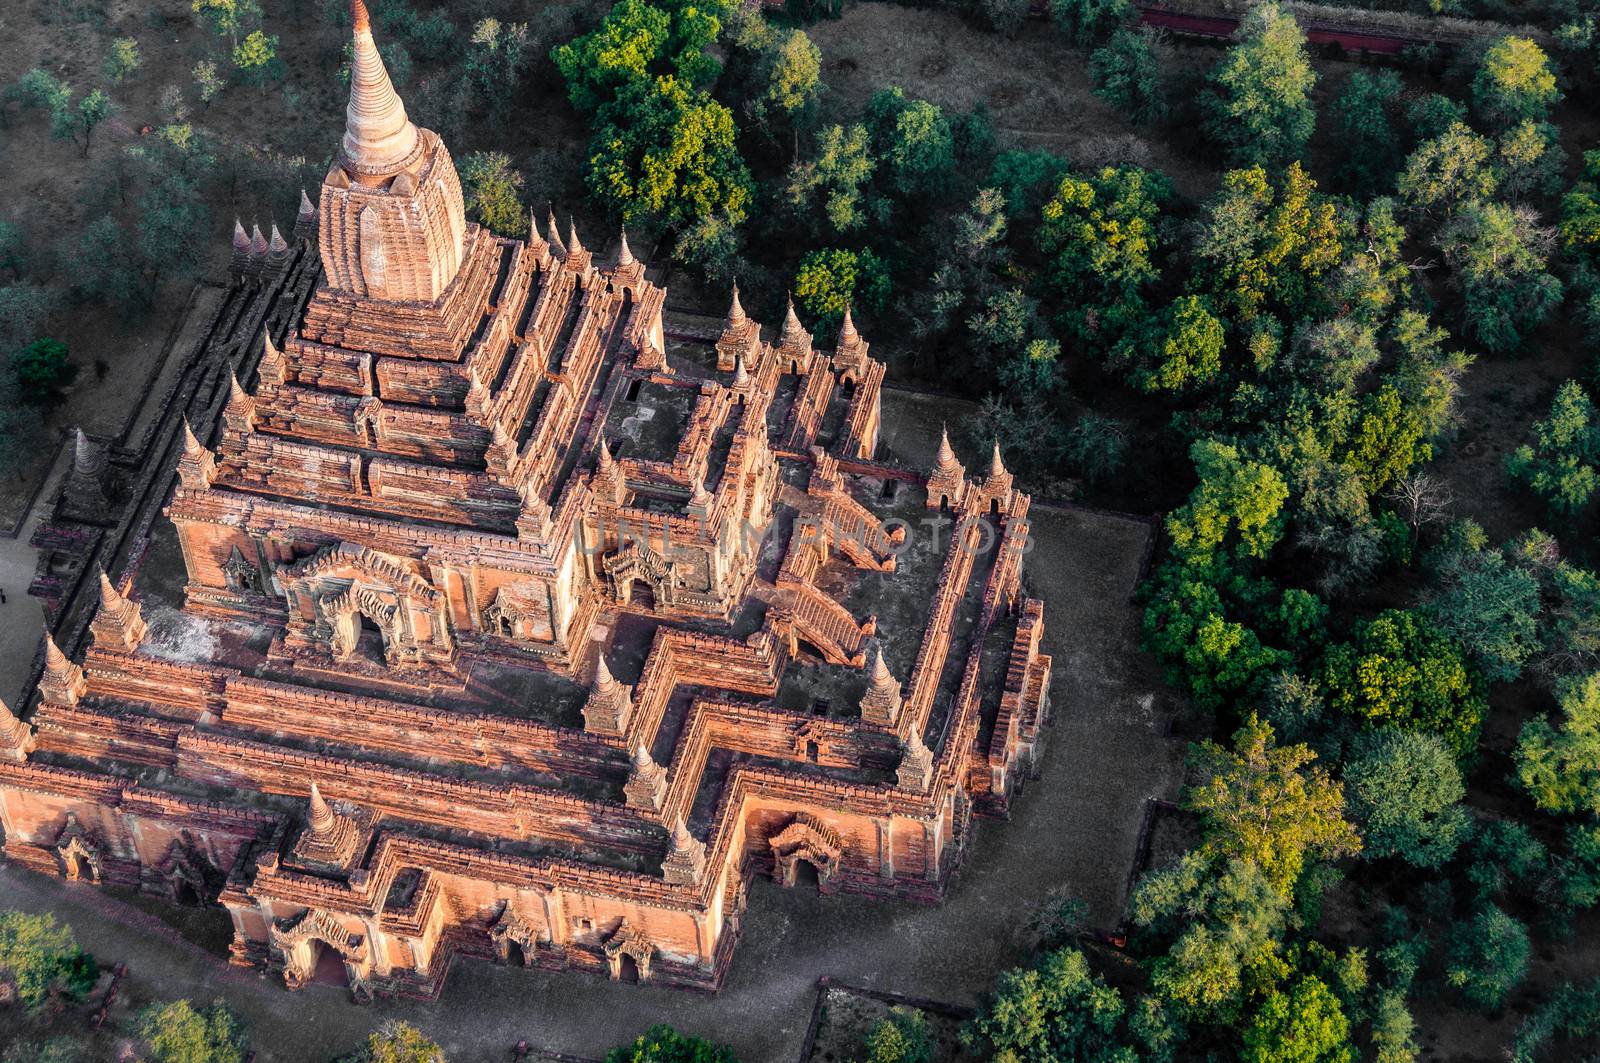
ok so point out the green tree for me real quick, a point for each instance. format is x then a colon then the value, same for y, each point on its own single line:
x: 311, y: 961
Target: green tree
x: 1404, y: 792
x: 1514, y: 82
x: 107, y: 267
x: 178, y: 1033
x: 1490, y: 606
x: 1221, y: 925
x: 667, y: 153
x: 1399, y: 670
x: 1531, y: 161
x: 832, y: 281
x: 42, y: 958
x: 255, y: 57
x: 915, y: 141
x: 1097, y: 447
x: 663, y: 1044
x: 1488, y: 957
x: 1265, y: 804
x: 1088, y: 21
x: 1059, y: 1009
x: 1453, y: 168
x: 1580, y: 217
x: 1129, y: 73
x: 1498, y: 254
x: 1100, y: 236
x: 1180, y: 349
x: 1388, y: 440
x: 1259, y: 243
x: 497, y: 56
x: 620, y: 52
x: 1304, y: 1024
x: 92, y: 110
x: 1260, y: 108
x: 1571, y: 1012
x: 899, y: 1037
x: 1237, y: 506
x: 1031, y: 371
x: 1361, y: 120
x: 41, y: 368
x: 838, y: 180
x: 399, y: 1042
x: 207, y: 82
x: 791, y: 75
x: 1559, y: 765
x: 492, y: 189
x: 228, y: 17
x: 1559, y: 466
x: 122, y: 60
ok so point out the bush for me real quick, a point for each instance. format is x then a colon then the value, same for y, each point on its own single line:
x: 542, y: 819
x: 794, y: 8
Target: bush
x: 178, y: 1033
x: 41, y: 368
x: 42, y: 957
x: 662, y: 1044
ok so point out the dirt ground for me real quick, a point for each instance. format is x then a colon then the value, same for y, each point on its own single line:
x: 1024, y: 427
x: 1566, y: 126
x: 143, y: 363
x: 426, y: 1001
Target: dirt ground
x: 1037, y: 89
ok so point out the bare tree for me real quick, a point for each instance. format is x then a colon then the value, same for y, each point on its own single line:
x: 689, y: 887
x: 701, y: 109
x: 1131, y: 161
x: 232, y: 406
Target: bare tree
x: 1423, y: 499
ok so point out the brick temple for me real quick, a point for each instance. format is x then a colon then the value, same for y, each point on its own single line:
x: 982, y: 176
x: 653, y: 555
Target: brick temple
x: 527, y: 641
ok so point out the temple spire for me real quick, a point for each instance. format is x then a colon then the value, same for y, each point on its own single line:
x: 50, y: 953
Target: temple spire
x: 741, y: 376
x: 997, y: 467
x: 793, y: 331
x: 378, y: 137
x: 574, y: 245
x: 553, y: 237
x: 321, y: 817
x: 736, y: 314
x: 947, y: 456
x: 625, y: 253
x: 848, y: 336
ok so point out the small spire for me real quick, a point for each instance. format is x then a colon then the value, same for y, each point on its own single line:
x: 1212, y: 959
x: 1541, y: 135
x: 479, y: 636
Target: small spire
x: 736, y: 314
x: 848, y: 336
x: 625, y: 253
x: 305, y: 222
x: 241, y: 248
x: 277, y: 246
x: 641, y: 758
x: 607, y: 462
x: 192, y: 447
x: 700, y: 498
x: 553, y: 237
x: 321, y: 817
x: 240, y: 412
x: 109, y: 597
x: 793, y: 331
x: 878, y: 673
x: 682, y: 840
x: 270, y: 369
x: 604, y: 681
x: 947, y: 456
x: 86, y: 458
x: 258, y: 242
x: 997, y: 467
x: 55, y: 662
x: 573, y: 243
x: 741, y: 376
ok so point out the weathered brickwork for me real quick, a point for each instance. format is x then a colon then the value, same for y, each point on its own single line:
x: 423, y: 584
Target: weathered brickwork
x: 515, y: 618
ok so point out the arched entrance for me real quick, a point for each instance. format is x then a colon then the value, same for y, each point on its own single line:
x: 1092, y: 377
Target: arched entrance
x: 78, y: 853
x: 625, y: 945
x: 309, y: 943
x: 806, y: 842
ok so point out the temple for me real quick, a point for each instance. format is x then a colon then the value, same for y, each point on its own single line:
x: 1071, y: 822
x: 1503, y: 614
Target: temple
x: 528, y: 638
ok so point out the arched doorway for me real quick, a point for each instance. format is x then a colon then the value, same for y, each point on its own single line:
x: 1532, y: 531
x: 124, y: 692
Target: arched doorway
x: 806, y: 843
x: 329, y: 967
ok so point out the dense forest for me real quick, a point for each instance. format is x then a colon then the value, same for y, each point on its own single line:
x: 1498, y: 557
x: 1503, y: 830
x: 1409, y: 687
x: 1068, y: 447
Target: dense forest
x: 1395, y: 679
